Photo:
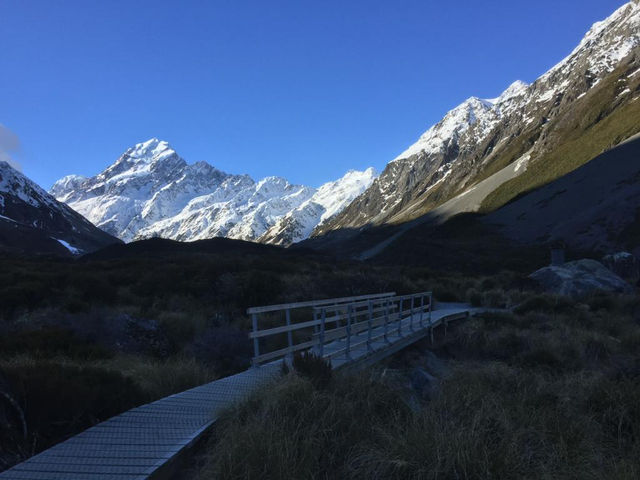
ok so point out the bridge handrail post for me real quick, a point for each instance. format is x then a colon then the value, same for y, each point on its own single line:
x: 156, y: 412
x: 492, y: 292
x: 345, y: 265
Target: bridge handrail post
x: 323, y: 318
x: 256, y: 344
x: 386, y: 321
x: 400, y: 317
x: 430, y: 305
x: 411, y: 313
x: 369, y: 324
x: 289, y: 357
x: 348, y: 348
x: 316, y: 329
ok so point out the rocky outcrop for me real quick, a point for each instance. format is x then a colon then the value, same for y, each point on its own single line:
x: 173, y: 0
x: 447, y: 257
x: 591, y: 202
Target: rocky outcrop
x: 579, y: 278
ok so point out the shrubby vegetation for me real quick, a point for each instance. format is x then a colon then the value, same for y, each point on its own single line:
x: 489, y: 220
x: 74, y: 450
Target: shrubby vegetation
x: 148, y: 326
x: 550, y: 391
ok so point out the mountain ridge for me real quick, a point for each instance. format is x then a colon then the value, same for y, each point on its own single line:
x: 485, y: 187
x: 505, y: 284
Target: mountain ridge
x: 33, y: 221
x: 480, y: 137
x: 150, y: 191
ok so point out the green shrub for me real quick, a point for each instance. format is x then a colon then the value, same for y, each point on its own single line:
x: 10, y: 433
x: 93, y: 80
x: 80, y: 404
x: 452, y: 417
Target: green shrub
x: 546, y: 303
x: 474, y: 297
x: 495, y: 299
x: 50, y: 342
x: 299, y: 431
x: 160, y: 378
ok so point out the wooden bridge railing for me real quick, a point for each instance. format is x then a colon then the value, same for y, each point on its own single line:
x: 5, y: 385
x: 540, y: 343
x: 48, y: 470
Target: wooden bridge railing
x: 291, y: 328
x: 368, y: 316
x: 340, y: 318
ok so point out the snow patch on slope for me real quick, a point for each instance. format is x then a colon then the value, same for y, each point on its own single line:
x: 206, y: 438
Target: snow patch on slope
x: 68, y: 246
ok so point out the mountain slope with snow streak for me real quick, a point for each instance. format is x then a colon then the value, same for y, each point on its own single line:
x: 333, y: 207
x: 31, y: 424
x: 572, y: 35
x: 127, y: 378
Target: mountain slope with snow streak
x: 482, y: 136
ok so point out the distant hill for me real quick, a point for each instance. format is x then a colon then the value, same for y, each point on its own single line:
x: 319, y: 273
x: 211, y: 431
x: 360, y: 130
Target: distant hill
x: 161, y: 247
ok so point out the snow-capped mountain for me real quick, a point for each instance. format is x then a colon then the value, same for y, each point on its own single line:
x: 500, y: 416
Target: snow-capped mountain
x: 591, y: 95
x: 325, y: 203
x: 33, y: 221
x: 150, y: 191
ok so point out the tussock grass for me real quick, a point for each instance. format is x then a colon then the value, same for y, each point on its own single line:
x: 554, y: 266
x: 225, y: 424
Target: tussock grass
x: 548, y: 392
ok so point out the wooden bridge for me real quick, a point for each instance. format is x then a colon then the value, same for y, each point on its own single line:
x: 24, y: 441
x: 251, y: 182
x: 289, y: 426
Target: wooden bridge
x: 147, y: 442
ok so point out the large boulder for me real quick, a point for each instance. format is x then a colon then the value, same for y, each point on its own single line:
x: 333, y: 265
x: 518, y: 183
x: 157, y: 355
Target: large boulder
x: 579, y: 278
x: 623, y: 264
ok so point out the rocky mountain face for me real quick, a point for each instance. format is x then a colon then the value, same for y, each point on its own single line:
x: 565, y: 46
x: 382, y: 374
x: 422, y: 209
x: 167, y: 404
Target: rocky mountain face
x: 150, y: 191
x: 582, y: 106
x: 32, y: 221
x: 325, y: 203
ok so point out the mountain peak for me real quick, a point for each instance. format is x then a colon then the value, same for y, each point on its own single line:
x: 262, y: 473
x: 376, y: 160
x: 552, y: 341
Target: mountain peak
x: 606, y: 43
x: 16, y: 183
x: 151, y: 191
x: 517, y: 88
x: 454, y: 123
x: 143, y: 158
x: 152, y: 150
x: 368, y: 172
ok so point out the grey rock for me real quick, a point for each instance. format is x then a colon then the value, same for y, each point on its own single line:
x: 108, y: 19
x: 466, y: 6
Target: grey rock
x: 623, y: 264
x: 579, y: 278
x: 423, y: 382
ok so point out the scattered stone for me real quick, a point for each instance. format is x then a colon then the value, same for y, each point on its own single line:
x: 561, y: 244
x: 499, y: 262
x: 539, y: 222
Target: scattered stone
x: 579, y: 278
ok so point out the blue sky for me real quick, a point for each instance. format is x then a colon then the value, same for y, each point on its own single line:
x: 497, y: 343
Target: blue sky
x: 301, y: 89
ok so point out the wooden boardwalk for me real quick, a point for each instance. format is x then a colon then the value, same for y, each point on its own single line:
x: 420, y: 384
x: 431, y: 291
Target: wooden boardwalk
x: 137, y: 444
x: 143, y: 442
